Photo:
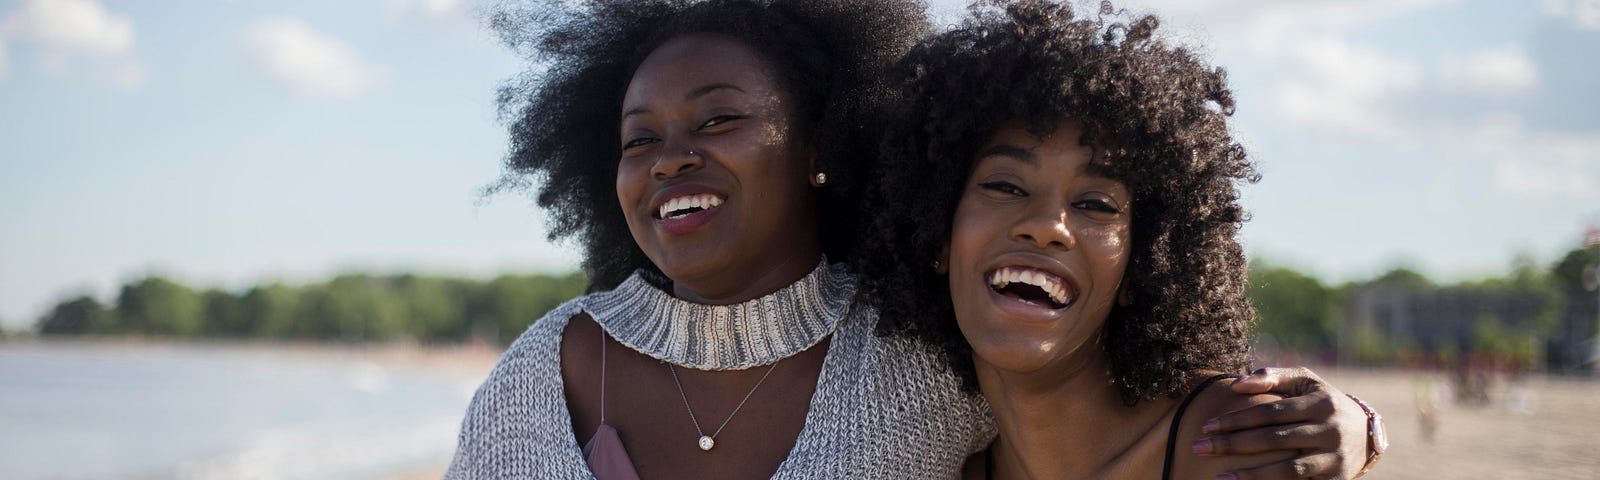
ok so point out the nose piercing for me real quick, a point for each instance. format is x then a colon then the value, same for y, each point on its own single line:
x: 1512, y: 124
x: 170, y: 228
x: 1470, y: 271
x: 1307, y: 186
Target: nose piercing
x: 692, y: 153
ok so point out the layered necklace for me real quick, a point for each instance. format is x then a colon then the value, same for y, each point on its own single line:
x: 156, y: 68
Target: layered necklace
x: 754, y: 333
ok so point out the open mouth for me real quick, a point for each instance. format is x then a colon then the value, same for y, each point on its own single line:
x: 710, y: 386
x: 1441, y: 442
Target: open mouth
x: 1032, y: 286
x: 679, y: 207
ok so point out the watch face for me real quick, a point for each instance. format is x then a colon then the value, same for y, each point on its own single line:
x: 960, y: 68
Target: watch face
x: 1380, y: 436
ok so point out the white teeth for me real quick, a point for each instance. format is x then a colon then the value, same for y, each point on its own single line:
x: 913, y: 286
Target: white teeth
x: 1051, y: 284
x: 702, y: 201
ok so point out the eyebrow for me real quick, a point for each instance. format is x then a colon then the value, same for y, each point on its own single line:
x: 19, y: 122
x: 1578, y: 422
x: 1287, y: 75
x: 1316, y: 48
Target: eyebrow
x: 1013, y: 151
x: 693, y: 94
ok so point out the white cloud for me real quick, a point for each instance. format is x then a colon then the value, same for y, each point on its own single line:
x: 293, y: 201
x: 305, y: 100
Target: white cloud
x: 1584, y: 14
x: 1526, y: 163
x: 1267, y: 25
x: 439, y: 8
x: 1333, y: 84
x: 293, y: 52
x: 70, y: 26
x: 1494, y: 70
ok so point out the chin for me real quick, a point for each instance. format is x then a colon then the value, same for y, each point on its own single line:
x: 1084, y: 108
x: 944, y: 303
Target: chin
x: 1010, y: 350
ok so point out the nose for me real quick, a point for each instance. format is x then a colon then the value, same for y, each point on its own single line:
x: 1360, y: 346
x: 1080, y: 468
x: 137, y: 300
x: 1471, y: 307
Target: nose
x: 1046, y: 228
x: 676, y: 160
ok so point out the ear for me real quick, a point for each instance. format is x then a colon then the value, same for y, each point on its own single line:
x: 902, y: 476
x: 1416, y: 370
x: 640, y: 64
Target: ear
x: 941, y: 262
x: 812, y: 170
x: 1124, y: 296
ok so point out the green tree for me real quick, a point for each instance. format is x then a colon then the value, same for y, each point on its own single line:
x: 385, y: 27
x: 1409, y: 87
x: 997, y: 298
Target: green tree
x: 356, y: 307
x: 159, y: 306
x: 1567, y: 273
x: 273, y: 310
x: 78, y: 316
x: 435, y: 308
x: 1293, y: 308
x: 225, y: 314
x: 515, y: 302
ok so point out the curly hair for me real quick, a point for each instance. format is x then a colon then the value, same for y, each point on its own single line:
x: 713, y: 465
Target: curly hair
x: 1156, y: 118
x: 828, y: 56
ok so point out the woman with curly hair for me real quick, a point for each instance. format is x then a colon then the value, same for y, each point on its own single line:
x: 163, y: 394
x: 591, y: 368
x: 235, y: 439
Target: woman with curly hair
x: 704, y: 155
x: 1057, y: 212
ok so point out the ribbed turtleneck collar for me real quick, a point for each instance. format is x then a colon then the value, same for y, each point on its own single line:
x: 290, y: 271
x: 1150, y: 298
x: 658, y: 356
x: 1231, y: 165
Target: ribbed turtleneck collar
x: 753, y: 333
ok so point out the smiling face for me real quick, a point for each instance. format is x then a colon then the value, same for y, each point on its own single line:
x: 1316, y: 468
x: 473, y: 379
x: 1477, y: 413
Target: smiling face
x: 713, y: 177
x: 1038, y: 247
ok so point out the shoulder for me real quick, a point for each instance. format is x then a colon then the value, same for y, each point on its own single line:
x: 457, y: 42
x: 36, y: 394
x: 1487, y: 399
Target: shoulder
x: 1211, y: 401
x: 545, y: 332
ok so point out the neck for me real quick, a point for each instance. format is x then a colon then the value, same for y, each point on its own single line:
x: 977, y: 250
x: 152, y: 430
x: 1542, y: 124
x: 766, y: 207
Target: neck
x: 1064, y: 408
x: 784, y: 270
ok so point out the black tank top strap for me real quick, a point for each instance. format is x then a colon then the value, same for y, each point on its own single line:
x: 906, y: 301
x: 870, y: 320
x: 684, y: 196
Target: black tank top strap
x: 1172, y: 434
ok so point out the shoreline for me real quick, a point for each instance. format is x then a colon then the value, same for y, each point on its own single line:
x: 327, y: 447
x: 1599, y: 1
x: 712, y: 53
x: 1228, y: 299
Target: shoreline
x: 446, y: 360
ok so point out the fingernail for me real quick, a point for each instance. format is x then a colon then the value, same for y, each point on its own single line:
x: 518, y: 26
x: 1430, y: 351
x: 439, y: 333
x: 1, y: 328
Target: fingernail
x: 1211, y: 426
x: 1227, y: 476
x: 1202, y: 446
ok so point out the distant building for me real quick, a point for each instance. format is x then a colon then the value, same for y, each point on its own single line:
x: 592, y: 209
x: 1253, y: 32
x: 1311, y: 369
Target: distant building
x: 1432, y: 321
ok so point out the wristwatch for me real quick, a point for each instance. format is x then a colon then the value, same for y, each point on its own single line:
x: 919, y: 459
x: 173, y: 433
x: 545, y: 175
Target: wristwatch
x: 1377, y: 436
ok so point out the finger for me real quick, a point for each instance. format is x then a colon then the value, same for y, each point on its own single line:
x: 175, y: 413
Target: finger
x: 1259, y: 381
x: 1303, y: 436
x: 1318, y: 465
x: 1317, y: 407
x: 1284, y: 381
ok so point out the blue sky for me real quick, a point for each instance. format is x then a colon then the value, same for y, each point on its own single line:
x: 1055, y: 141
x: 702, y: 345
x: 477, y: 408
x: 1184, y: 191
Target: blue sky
x: 228, y: 143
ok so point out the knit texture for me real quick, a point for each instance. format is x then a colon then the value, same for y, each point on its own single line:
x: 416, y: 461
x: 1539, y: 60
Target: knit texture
x: 749, y: 334
x: 883, y: 408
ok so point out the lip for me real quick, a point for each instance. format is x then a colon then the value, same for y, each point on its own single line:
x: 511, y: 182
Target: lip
x: 687, y: 223
x: 1022, y: 309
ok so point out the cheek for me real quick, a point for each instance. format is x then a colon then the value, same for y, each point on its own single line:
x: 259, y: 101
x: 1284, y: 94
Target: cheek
x: 630, y: 185
x: 1109, y: 248
x: 972, y: 230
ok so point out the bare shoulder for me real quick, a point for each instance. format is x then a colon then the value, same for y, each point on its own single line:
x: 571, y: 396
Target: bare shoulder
x: 580, y: 346
x: 1217, y: 399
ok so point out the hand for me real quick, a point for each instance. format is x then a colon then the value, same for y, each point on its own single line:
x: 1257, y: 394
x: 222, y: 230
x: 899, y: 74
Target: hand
x: 1316, y: 419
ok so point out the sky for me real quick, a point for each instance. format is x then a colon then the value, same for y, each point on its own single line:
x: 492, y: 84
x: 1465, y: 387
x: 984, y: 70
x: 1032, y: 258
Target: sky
x: 227, y: 143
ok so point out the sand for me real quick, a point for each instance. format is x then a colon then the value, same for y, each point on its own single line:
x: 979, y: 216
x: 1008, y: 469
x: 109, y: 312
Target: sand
x: 1542, y: 428
x: 1546, y: 428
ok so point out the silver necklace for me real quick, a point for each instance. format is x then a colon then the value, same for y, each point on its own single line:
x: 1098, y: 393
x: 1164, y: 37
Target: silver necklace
x: 709, y: 441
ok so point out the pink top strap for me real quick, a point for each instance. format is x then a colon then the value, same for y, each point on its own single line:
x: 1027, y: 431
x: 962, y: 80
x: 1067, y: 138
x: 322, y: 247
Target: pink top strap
x: 607, y: 458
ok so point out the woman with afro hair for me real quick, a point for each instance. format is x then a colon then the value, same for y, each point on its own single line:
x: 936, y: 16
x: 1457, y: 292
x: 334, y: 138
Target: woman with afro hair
x: 1056, y: 213
x: 707, y: 156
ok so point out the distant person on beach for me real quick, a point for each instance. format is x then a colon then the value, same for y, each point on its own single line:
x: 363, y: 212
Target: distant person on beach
x: 1066, y: 188
x: 708, y: 157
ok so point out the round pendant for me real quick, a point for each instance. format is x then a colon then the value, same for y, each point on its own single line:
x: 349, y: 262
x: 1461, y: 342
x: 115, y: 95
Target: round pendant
x: 706, y: 443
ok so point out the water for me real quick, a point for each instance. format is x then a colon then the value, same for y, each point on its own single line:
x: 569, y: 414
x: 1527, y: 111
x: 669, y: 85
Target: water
x: 95, y: 411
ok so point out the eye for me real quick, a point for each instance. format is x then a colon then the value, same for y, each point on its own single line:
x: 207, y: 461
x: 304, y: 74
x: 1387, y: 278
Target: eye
x: 718, y: 120
x: 1003, y: 187
x: 638, y: 142
x: 1097, y: 205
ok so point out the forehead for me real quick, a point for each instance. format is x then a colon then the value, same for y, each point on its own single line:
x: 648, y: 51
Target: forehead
x: 690, y: 61
x: 1059, y: 148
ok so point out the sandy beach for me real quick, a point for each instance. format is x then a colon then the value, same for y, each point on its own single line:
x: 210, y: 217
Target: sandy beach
x: 1545, y: 428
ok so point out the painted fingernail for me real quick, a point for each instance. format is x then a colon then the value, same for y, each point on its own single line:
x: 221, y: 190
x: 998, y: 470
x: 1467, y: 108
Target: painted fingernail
x: 1202, y: 446
x: 1211, y: 426
x: 1227, y: 476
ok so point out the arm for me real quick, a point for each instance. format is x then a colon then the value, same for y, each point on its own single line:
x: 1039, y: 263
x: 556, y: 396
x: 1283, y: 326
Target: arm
x: 1326, y: 427
x: 1218, y: 400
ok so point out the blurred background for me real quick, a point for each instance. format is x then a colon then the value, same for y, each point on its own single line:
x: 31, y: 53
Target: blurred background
x: 249, y: 239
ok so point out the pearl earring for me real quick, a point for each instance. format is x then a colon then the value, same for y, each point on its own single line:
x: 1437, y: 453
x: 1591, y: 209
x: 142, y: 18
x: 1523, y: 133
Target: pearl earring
x: 821, y: 178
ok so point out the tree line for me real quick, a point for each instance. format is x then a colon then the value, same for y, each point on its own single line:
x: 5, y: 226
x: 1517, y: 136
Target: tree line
x: 354, y: 307
x: 1299, y: 312
x: 1295, y: 310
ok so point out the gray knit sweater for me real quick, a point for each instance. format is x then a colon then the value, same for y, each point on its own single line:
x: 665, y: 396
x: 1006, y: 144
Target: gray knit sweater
x: 883, y: 408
